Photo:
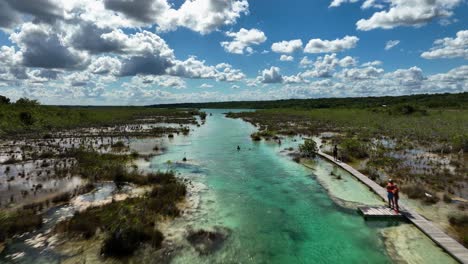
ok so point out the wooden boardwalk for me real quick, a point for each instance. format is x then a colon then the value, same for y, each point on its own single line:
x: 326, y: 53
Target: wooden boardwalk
x: 370, y: 212
x: 450, y: 245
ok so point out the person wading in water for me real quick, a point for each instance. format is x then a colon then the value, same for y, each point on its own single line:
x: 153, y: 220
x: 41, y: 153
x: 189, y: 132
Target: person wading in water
x: 390, y: 188
x: 335, y: 152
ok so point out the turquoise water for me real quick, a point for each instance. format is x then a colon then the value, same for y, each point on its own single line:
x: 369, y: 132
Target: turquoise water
x: 276, y: 211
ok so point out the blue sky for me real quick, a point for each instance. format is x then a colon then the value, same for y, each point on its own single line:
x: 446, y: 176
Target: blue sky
x: 160, y: 51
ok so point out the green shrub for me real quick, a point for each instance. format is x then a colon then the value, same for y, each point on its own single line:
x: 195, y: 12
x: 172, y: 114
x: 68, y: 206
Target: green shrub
x: 4, y: 100
x: 92, y: 165
x: 123, y: 242
x: 406, y: 109
x: 255, y: 137
x: 267, y: 134
x: 26, y: 102
x: 119, y: 176
x: 308, y: 148
x: 458, y: 219
x: 161, y: 177
x: 414, y: 191
x: 447, y: 198
x: 431, y: 199
x: 118, y: 145
x: 26, y: 118
x: 202, y: 115
x: 84, y: 224
x: 460, y: 142
x: 354, y: 148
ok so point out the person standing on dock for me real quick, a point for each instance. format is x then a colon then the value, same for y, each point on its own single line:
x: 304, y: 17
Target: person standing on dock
x: 335, y: 152
x: 390, y: 188
x: 396, y: 196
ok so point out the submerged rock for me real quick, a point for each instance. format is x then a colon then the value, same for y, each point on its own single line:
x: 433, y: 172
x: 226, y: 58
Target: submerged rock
x: 207, y: 242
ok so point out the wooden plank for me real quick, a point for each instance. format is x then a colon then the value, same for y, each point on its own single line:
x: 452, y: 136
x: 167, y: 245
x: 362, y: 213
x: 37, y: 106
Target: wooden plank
x: 450, y: 245
x: 378, y: 211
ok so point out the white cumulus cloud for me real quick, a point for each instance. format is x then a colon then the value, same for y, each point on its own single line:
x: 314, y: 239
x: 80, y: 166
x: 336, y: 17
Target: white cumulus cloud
x: 286, y: 58
x: 287, y: 46
x: 408, y: 13
x: 271, y: 75
x: 449, y: 47
x: 325, y: 46
x: 242, y: 40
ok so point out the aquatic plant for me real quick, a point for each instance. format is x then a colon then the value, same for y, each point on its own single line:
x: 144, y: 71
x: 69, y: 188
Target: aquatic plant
x: 124, y: 241
x: 206, y: 241
x: 202, y: 115
x: 96, y: 166
x: 255, y: 137
x: 265, y: 133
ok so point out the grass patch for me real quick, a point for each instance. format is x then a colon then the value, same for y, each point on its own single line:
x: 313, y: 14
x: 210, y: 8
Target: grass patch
x: 266, y: 134
x: 441, y: 126
x: 351, y: 147
x: 95, y: 166
x: 130, y: 223
x: 18, y: 222
x: 460, y: 223
x: 39, y: 120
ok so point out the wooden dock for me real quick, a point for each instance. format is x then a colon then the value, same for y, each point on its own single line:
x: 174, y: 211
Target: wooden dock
x: 379, y: 212
x: 450, y: 245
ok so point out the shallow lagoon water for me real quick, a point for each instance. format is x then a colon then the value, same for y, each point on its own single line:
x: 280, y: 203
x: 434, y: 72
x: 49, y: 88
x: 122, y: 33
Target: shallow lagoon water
x: 276, y: 211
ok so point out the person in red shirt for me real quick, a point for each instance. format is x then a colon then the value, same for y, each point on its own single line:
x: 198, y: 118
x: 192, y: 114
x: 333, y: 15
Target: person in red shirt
x: 396, y: 196
x: 390, y: 195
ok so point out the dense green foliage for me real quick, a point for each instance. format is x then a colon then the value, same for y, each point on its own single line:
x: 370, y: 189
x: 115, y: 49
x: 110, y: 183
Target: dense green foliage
x: 424, y: 100
x: 308, y: 148
x: 26, y: 102
x: 4, y: 100
x: 351, y: 147
x: 29, y: 117
x: 446, y: 126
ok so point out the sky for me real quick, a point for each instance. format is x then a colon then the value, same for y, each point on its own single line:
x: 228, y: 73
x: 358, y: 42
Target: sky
x: 140, y: 52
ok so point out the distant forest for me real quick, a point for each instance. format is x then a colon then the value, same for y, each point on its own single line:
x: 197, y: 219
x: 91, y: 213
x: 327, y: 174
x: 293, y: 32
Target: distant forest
x: 446, y: 100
